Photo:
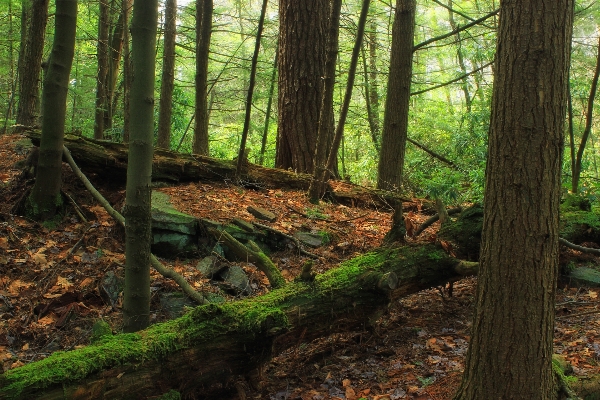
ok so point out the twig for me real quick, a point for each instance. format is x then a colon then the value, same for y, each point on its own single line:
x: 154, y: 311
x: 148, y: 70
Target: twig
x: 578, y: 248
x: 295, y: 240
x: 164, y: 271
x: 75, y: 206
x: 579, y: 314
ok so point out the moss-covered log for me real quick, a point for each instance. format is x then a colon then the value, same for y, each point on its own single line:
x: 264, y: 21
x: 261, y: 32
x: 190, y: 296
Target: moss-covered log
x: 216, y: 341
x: 109, y: 159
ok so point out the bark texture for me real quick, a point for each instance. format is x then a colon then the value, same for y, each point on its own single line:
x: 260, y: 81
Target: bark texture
x: 301, y: 67
x: 168, y: 76
x: 45, y: 194
x: 395, y: 120
x: 510, y: 351
x: 138, y: 220
x: 30, y: 66
x: 102, y: 56
x: 204, y: 14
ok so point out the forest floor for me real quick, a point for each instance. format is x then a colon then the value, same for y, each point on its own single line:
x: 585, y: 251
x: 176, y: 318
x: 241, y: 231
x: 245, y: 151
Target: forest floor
x: 50, y: 292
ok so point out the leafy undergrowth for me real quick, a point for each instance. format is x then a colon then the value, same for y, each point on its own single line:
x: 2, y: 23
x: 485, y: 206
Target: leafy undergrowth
x: 51, y: 292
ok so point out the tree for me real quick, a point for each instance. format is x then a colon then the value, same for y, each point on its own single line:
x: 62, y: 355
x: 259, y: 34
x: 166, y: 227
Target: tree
x: 168, y: 75
x: 136, y: 299
x: 30, y: 60
x: 511, y: 341
x: 45, y: 195
x: 301, y: 66
x: 204, y: 13
x: 102, y: 56
x: 395, y: 119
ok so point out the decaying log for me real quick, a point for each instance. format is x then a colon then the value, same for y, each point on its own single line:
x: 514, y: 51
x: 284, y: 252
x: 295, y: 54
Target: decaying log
x: 109, y: 159
x: 213, y: 342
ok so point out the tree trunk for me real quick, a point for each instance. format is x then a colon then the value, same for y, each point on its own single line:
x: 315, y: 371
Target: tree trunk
x: 395, y: 121
x: 326, y: 112
x: 45, y: 194
x: 301, y: 67
x: 127, y: 78
x: 510, y: 351
x: 168, y: 76
x: 30, y: 66
x: 265, y: 136
x: 214, y: 342
x: 204, y: 13
x: 102, y: 56
x: 138, y: 220
x: 242, y: 157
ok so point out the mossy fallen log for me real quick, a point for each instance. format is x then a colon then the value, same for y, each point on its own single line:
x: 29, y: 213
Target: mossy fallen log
x: 109, y: 159
x: 214, y: 342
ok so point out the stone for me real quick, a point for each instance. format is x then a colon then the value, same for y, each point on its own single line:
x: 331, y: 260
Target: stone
x: 210, y: 267
x: 245, y: 225
x: 309, y: 239
x: 111, y: 286
x: 261, y: 213
x: 585, y: 276
x: 236, y: 279
x: 165, y: 217
x: 175, y: 304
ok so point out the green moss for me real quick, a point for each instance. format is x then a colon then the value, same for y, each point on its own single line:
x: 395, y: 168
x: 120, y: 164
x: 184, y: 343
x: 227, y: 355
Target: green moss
x: 573, y: 202
x: 580, y: 226
x: 100, y: 330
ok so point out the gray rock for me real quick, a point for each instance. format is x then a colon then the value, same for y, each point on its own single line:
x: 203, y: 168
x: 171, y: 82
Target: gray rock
x: 261, y: 213
x: 174, y: 305
x: 309, y: 239
x: 171, y: 244
x: 111, y: 286
x: 165, y: 217
x: 585, y: 276
x: 210, y: 267
x: 236, y: 278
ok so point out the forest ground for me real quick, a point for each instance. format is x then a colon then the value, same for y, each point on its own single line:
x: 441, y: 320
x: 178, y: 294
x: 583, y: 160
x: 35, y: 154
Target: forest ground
x: 50, y: 292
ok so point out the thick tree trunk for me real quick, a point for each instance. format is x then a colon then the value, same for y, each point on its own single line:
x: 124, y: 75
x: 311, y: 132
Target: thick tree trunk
x: 45, y: 195
x: 510, y: 351
x: 30, y: 65
x: 168, y: 71
x: 301, y: 67
x: 214, y: 342
x: 138, y: 220
x: 109, y: 160
x: 395, y: 120
x: 204, y: 14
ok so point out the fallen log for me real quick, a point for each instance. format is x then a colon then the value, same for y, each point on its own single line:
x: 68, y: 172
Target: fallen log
x: 109, y: 159
x: 214, y: 342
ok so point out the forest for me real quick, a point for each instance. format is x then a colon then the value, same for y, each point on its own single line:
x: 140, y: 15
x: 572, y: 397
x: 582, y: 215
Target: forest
x: 317, y: 199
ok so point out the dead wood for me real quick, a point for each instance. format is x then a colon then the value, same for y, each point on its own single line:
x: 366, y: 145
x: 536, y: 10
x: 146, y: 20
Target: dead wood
x: 214, y: 342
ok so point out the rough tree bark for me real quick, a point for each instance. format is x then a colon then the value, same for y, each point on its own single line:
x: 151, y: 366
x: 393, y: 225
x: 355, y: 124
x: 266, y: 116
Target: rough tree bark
x: 102, y: 57
x: 30, y: 65
x: 138, y: 220
x: 510, y: 352
x: 204, y: 13
x: 301, y: 66
x: 45, y: 195
x: 395, y: 120
x: 168, y: 76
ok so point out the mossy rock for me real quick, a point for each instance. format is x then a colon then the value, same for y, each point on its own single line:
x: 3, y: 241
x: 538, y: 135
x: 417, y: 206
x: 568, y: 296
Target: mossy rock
x: 573, y: 202
x: 585, y: 277
x: 580, y: 226
x: 465, y: 233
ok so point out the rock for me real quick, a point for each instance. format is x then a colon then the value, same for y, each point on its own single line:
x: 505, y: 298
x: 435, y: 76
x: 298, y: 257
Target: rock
x: 210, y: 267
x: 100, y: 329
x: 236, y: 279
x: 171, y: 244
x: 175, y: 304
x: 309, y: 239
x: 585, y: 277
x: 261, y: 213
x: 173, y: 233
x: 111, y: 286
x: 245, y: 225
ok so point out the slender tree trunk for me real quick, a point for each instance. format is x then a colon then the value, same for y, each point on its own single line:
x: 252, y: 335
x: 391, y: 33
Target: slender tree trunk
x: 136, y: 299
x: 204, y: 13
x: 102, y: 56
x: 45, y: 196
x: 510, y: 351
x: 301, y: 67
x: 326, y: 111
x: 588, y: 125
x: 168, y: 76
x: 374, y: 82
x: 117, y: 40
x: 461, y: 60
x: 127, y: 78
x: 571, y: 132
x: 31, y: 65
x: 395, y: 120
x: 242, y: 154
x: 265, y: 136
